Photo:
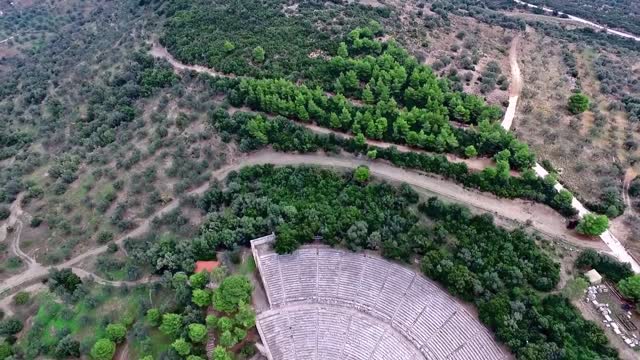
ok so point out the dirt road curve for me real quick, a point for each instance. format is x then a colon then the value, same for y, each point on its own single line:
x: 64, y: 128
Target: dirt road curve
x: 541, y: 217
x: 159, y: 51
x: 16, y: 223
x: 584, y: 21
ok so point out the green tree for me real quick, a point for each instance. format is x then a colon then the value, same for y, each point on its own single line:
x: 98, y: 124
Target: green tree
x: 5, y: 350
x: 153, y: 316
x: 342, y: 50
x: 182, y: 347
x: 220, y: 353
x: 21, y: 298
x: 5, y: 212
x: 194, y: 357
x: 563, y: 199
x: 201, y: 297
x: 575, y: 288
x: 372, y: 154
x: 197, y: 332
x: 227, y: 339
x: 68, y: 347
x: 470, y: 151
x: 334, y: 121
x: 228, y: 46
x: 245, y: 316
x: 199, y: 280
x: 63, y: 280
x: 10, y: 327
x: 258, y: 54
x: 211, y: 321
x: 224, y: 324
x: 361, y: 174
x: 578, y: 103
x: 588, y: 258
x: 180, y: 280
x: 239, y: 333
x: 630, y: 287
x: 232, y: 291
x: 116, y: 332
x: 367, y: 95
x: 592, y: 224
x: 171, y: 324
x: 103, y: 349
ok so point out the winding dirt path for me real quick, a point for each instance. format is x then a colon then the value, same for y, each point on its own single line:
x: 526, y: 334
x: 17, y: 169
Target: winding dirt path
x: 583, y: 21
x: 159, y: 51
x: 84, y: 274
x: 474, y: 164
x: 477, y: 164
x: 14, y: 221
x: 541, y: 217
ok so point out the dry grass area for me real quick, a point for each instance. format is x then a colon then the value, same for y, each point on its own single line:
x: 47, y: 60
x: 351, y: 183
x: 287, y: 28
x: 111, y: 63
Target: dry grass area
x: 592, y: 149
x: 576, y: 145
x: 141, y: 175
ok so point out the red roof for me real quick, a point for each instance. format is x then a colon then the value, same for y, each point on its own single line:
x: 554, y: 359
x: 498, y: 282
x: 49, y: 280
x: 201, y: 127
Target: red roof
x: 206, y: 265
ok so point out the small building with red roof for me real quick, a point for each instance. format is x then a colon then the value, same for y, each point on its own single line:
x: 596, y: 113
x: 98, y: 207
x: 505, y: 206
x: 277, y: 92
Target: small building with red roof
x: 206, y: 266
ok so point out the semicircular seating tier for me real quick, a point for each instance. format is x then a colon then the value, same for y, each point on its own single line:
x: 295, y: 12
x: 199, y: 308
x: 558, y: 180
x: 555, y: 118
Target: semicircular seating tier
x: 327, y: 303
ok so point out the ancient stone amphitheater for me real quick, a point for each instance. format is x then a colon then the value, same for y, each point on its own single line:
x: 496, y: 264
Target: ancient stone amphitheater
x: 333, y: 304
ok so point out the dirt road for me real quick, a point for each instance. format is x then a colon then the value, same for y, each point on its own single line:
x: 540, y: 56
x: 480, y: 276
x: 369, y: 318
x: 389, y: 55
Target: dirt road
x: 516, y: 84
x: 584, y: 21
x: 541, y: 217
x: 14, y: 221
x: 159, y: 51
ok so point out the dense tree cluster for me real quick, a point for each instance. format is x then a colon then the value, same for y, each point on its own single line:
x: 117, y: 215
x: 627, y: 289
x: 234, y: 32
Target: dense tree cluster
x: 258, y: 38
x: 112, y: 104
x: 503, y: 272
x: 606, y: 265
x: 398, y: 100
x: 253, y: 132
x: 632, y: 105
x: 64, y: 281
x: 188, y: 330
x: 630, y: 287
